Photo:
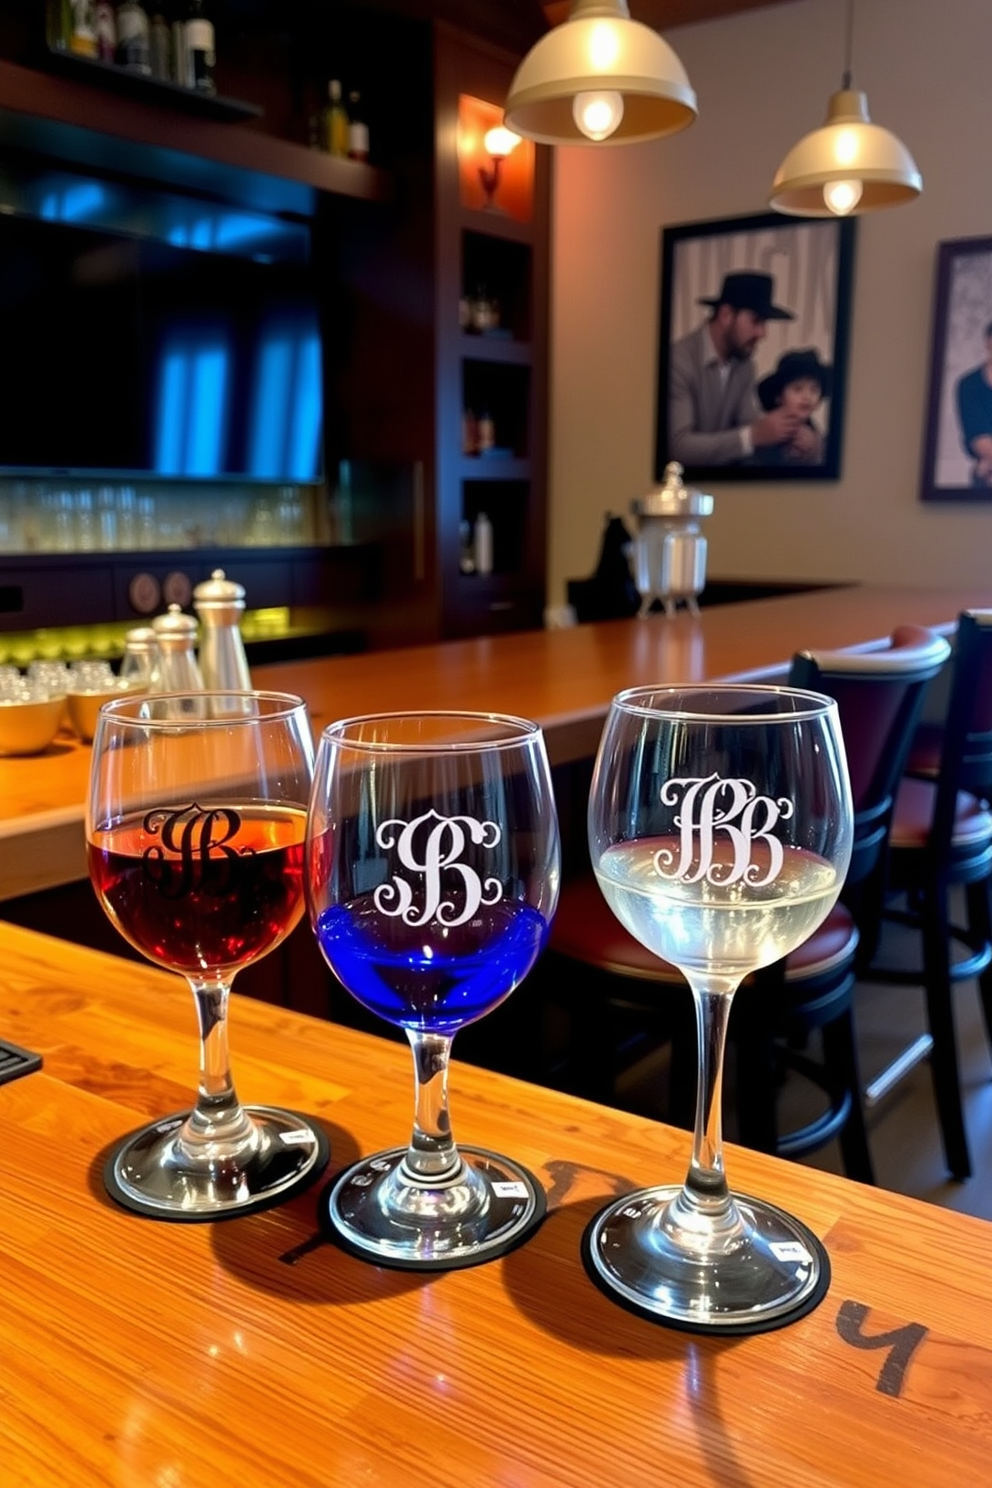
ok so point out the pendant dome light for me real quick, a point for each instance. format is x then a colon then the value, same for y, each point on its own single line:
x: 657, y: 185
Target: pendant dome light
x: 600, y: 78
x: 848, y: 166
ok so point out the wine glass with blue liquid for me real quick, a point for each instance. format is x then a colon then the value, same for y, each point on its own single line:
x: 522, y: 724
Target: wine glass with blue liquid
x: 433, y: 867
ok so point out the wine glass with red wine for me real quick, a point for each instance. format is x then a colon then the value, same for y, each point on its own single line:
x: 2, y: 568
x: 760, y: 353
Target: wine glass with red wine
x: 195, y: 833
x: 432, y: 877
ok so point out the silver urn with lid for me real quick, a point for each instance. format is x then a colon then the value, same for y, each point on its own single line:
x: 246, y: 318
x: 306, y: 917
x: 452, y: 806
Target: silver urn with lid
x: 669, y: 551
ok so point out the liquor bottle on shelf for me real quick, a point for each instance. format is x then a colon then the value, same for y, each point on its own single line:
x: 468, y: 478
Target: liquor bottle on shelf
x: 199, y: 46
x: 482, y: 543
x: 358, y: 130
x: 334, y: 126
x: 105, y: 27
x: 160, y: 48
x: 58, y: 25
x: 82, y: 39
x: 133, y: 34
x: 466, y: 548
x: 485, y: 433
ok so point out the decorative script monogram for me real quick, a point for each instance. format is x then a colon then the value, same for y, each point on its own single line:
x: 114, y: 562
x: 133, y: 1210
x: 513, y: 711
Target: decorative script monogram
x: 721, y: 822
x: 193, y: 841
x: 432, y: 846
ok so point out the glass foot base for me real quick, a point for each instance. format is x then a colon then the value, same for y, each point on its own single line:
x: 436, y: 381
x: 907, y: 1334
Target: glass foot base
x: 481, y: 1214
x: 153, y: 1173
x: 771, y: 1272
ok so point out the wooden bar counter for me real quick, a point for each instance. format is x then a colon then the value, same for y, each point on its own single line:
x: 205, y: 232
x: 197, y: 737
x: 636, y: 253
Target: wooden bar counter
x: 563, y: 679
x: 144, y: 1354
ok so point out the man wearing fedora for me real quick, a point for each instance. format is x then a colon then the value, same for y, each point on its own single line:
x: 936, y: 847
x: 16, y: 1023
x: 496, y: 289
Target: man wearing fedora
x: 714, y: 416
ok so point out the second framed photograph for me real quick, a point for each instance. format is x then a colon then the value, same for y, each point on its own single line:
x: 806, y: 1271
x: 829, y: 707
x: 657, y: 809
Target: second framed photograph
x: 957, y: 456
x: 752, y: 354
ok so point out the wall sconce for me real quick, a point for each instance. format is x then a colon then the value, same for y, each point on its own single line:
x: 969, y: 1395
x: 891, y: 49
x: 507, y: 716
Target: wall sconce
x: 599, y: 77
x: 498, y: 144
x: 848, y: 166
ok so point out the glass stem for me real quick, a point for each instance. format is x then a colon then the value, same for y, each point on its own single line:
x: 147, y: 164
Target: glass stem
x: 218, y: 1117
x: 705, y: 1190
x: 432, y: 1156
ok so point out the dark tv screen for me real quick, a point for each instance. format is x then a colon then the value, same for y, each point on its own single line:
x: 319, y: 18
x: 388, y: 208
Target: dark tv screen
x: 126, y: 355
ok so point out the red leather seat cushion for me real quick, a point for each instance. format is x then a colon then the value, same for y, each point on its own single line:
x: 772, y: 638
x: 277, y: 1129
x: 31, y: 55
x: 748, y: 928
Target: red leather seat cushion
x: 586, y: 929
x: 914, y: 812
x: 925, y: 750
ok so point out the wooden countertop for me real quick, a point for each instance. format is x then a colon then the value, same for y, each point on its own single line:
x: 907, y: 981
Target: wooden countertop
x: 563, y: 679
x: 136, y: 1352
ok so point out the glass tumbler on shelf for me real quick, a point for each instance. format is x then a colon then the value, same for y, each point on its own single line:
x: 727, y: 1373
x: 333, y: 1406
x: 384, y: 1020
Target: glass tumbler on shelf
x: 432, y: 877
x: 720, y: 832
x: 195, y: 831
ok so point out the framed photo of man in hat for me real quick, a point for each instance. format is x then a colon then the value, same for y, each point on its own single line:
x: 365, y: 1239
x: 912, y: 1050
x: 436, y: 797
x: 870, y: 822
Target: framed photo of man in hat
x: 752, y: 354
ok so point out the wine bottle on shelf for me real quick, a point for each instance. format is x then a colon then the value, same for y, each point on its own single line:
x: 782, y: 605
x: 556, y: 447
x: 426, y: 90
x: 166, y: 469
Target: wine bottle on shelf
x: 160, y: 48
x: 199, y: 45
x: 335, y: 121
x: 358, y: 130
x: 133, y: 37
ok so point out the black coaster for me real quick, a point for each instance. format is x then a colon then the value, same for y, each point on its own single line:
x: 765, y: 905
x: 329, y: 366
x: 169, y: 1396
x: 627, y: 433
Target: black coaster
x: 519, y: 1205
x: 277, y: 1172
x: 805, y: 1305
x: 15, y: 1061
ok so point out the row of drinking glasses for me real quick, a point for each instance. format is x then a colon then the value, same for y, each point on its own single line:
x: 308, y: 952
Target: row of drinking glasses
x: 56, y: 679
x: 425, y: 847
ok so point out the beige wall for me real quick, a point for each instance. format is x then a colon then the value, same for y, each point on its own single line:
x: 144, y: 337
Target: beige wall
x: 762, y: 80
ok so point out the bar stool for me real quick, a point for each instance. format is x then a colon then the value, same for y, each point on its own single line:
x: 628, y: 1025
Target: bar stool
x: 879, y: 694
x: 941, y: 838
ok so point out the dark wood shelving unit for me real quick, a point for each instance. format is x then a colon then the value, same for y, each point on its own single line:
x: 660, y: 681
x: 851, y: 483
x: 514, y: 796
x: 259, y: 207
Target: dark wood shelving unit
x: 149, y: 89
x: 75, y: 122
x: 499, y: 254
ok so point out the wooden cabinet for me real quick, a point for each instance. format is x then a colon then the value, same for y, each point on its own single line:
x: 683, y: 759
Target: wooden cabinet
x: 492, y: 335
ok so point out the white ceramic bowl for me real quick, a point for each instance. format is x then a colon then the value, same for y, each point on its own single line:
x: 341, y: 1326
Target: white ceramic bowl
x: 28, y: 725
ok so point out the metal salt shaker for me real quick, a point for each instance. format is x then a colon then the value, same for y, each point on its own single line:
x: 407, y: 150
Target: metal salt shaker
x: 220, y: 603
x: 140, y: 662
x: 177, y: 669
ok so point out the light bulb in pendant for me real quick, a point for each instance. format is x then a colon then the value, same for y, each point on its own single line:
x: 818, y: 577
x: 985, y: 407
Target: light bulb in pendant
x: 598, y: 115
x: 842, y: 196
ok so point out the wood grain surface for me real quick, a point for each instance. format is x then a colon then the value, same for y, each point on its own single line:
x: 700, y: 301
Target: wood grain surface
x: 563, y: 679
x: 135, y: 1352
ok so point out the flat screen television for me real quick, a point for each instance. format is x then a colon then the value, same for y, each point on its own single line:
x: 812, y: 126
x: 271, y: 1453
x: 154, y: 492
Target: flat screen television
x: 130, y: 356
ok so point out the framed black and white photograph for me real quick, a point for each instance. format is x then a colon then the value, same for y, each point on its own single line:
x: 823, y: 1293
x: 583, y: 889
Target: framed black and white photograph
x: 957, y: 456
x: 752, y: 355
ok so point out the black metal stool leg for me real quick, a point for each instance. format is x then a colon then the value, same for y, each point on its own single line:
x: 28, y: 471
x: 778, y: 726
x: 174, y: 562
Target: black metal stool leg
x: 940, y: 1016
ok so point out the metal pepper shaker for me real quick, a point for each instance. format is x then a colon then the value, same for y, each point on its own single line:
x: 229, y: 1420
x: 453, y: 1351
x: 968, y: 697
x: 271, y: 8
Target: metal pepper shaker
x: 220, y: 604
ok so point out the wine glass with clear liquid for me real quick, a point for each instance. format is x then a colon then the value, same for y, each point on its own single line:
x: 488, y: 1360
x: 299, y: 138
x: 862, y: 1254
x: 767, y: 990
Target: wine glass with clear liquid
x: 432, y: 873
x: 720, y: 831
x: 195, y: 835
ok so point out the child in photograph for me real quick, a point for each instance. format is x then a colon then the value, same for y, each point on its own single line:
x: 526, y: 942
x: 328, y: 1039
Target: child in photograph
x: 799, y: 384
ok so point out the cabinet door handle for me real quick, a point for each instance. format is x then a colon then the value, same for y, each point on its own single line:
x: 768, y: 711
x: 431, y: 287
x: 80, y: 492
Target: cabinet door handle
x: 419, y: 523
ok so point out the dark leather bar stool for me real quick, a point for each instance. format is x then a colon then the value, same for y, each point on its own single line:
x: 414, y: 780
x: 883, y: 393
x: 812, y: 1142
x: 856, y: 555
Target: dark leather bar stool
x: 879, y: 694
x: 941, y: 838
